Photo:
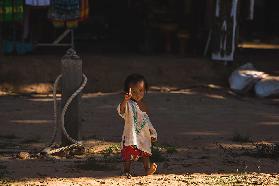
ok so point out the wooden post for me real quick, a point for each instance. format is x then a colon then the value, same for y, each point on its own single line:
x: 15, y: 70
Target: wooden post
x: 71, y: 81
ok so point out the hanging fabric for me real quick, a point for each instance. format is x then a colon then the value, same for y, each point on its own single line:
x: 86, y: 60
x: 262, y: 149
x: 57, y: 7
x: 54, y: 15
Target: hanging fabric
x: 84, y: 9
x: 11, y: 16
x: 11, y: 10
x: 224, y: 30
x: 68, y: 13
x: 65, y: 10
x: 37, y: 2
x: 65, y: 13
x: 1, y: 10
x: 18, y: 10
x: 7, y: 8
x: 251, y: 9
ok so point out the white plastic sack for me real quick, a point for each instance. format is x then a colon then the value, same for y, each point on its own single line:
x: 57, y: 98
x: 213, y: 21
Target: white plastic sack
x: 244, y: 78
x: 267, y: 87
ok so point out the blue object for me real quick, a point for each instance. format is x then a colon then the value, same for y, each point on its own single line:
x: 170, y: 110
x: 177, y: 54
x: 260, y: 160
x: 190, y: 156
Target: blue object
x: 8, y: 47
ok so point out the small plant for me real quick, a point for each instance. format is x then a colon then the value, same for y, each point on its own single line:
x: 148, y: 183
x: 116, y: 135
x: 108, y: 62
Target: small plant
x: 111, y: 149
x: 261, y: 150
x: 108, y: 151
x: 267, y: 151
x: 170, y: 149
x: 157, y: 153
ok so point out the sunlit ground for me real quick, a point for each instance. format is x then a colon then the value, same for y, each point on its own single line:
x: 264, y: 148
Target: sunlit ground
x: 187, y: 179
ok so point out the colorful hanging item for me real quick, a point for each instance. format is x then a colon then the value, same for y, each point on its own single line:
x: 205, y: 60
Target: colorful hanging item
x: 84, y: 10
x: 1, y: 10
x: 68, y: 13
x: 7, y: 7
x: 11, y: 10
x: 37, y: 2
x: 62, y: 11
x: 18, y: 10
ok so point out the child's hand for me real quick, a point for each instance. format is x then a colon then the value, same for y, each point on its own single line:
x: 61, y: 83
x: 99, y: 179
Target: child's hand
x: 153, y: 139
x: 128, y: 96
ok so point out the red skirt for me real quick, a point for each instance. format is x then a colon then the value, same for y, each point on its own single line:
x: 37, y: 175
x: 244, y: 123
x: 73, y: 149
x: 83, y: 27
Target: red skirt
x: 132, y: 153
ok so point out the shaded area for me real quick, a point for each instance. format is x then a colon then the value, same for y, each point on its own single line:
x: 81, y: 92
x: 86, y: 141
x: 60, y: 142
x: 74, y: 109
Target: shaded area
x: 106, y: 72
x: 193, y: 121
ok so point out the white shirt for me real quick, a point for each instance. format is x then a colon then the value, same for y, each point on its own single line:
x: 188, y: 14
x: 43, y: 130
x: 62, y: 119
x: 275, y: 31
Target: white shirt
x: 138, y: 129
x: 37, y: 2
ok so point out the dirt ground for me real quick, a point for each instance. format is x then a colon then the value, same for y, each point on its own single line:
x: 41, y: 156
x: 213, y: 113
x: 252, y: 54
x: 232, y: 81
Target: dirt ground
x: 206, y: 136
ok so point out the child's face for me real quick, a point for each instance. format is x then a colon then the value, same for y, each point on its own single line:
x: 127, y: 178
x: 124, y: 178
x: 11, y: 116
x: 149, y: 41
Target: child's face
x: 138, y: 90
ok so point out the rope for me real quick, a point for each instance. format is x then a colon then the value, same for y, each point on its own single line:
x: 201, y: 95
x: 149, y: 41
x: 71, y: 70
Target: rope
x: 50, y: 151
x: 55, y: 110
x: 64, y: 110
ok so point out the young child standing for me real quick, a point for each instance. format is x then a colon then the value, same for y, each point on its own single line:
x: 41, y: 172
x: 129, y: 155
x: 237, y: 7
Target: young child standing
x: 138, y: 132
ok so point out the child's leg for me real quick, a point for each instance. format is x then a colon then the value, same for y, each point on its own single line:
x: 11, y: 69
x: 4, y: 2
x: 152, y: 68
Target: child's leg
x: 146, y: 163
x: 150, y: 168
x: 127, y: 166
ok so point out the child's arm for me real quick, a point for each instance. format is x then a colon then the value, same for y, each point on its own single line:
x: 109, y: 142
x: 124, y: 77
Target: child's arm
x: 122, y: 106
x: 152, y: 130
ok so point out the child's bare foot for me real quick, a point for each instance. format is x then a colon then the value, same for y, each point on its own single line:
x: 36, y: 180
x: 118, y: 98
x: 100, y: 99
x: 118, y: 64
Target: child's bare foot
x: 127, y: 174
x: 152, y: 170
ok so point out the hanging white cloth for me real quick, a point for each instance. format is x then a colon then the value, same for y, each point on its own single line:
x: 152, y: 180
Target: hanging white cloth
x: 251, y: 9
x: 37, y: 2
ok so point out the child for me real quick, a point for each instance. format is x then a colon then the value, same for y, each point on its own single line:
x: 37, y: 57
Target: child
x: 138, y: 131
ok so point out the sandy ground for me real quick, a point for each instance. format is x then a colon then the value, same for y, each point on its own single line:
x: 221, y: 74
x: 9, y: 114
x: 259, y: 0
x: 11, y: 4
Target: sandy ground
x: 207, y: 135
x: 199, y: 123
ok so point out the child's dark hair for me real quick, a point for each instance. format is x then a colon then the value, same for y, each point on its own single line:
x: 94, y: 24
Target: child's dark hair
x: 133, y: 79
